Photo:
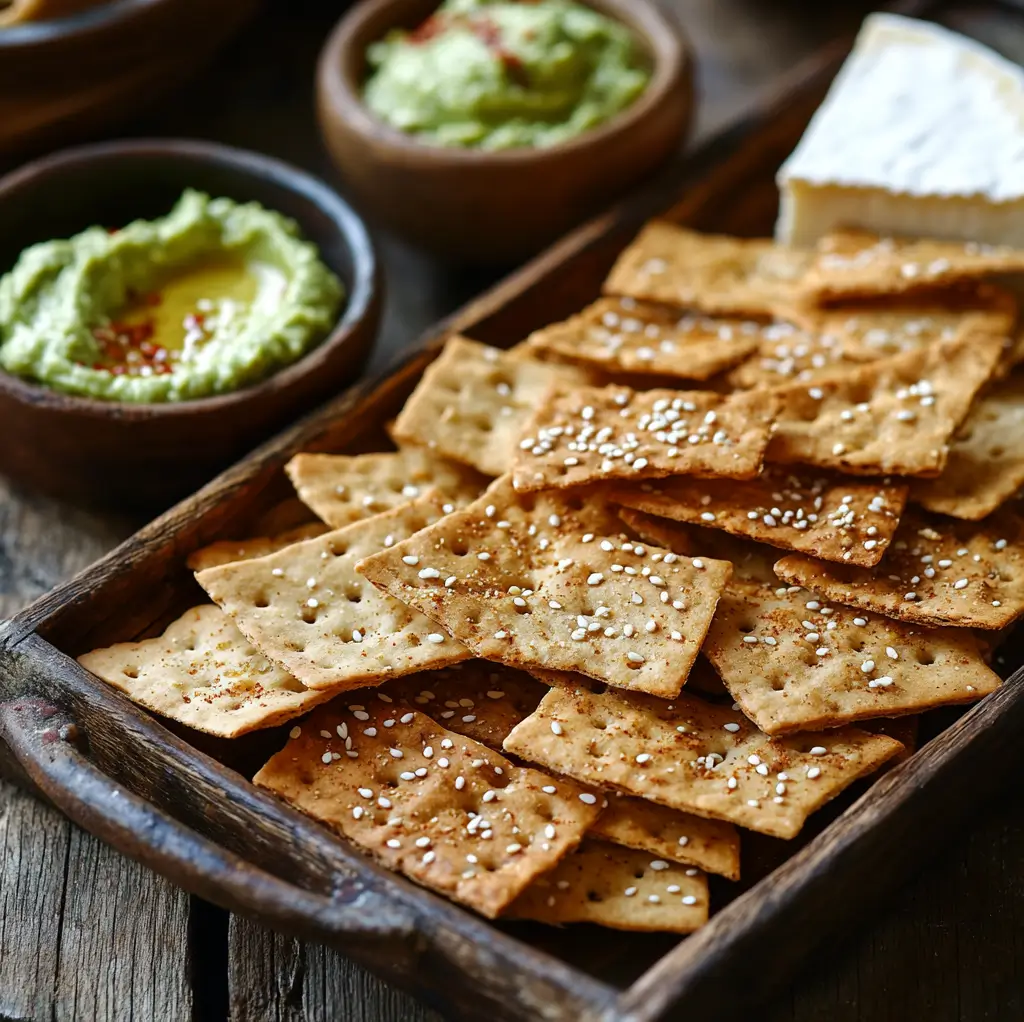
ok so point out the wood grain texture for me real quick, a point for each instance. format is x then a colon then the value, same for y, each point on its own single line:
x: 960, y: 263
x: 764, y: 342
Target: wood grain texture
x: 84, y: 932
x: 950, y: 948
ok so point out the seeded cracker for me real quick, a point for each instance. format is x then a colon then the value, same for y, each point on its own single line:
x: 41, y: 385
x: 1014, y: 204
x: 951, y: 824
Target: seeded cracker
x: 851, y: 263
x: 444, y: 810
x: 713, y: 845
x: 592, y: 434
x: 709, y: 272
x: 937, y: 571
x: 225, y: 551
x: 477, y: 698
x: 545, y: 580
x: 986, y: 465
x: 202, y: 672
x: 639, y: 337
x: 342, y: 489
x: 751, y: 562
x: 619, y: 888
x: 794, y: 664
x: 894, y: 416
x: 694, y: 756
x: 472, y: 403
x: 306, y: 607
x: 870, y: 329
x: 835, y: 519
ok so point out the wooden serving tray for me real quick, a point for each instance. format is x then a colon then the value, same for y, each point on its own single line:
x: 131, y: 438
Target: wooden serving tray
x: 181, y: 802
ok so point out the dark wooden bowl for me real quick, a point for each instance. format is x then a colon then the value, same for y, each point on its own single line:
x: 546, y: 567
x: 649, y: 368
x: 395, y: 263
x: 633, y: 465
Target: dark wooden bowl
x: 65, y: 78
x: 496, y: 206
x: 146, y: 455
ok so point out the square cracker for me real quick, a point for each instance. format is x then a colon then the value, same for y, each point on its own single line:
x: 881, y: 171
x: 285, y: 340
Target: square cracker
x: 870, y: 329
x: 851, y: 263
x: 477, y: 698
x: 342, y: 489
x: 830, y: 517
x: 640, y: 337
x: 938, y: 571
x: 203, y: 673
x: 894, y: 416
x: 307, y: 609
x: 545, y: 580
x: 985, y: 467
x: 787, y: 354
x: 225, y: 551
x: 710, y: 272
x: 793, y: 664
x: 694, y: 756
x: 713, y: 845
x: 620, y: 888
x: 444, y: 810
x: 591, y: 434
x: 473, y: 401
x: 751, y: 562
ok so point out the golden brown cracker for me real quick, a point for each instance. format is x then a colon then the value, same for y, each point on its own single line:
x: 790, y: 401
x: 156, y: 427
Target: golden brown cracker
x: 712, y: 845
x: 710, y: 272
x: 937, y: 571
x: 624, y: 335
x: 851, y: 263
x: 836, y: 519
x: 307, y: 609
x: 895, y: 416
x: 225, y: 551
x: 695, y: 756
x: 202, y: 672
x: 985, y: 467
x: 619, y: 888
x: 444, y: 810
x: 342, y: 489
x: 473, y: 401
x: 547, y: 580
x: 793, y: 663
x: 590, y: 435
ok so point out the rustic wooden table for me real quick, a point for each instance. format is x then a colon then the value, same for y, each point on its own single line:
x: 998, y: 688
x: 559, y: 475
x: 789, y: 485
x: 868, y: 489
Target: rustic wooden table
x: 87, y: 934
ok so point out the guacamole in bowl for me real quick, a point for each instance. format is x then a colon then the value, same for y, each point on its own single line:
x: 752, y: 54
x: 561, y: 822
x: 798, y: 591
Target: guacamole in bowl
x: 213, y: 297
x: 500, y: 74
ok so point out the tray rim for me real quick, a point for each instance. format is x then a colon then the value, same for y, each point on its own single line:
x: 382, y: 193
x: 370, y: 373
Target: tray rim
x: 680, y: 972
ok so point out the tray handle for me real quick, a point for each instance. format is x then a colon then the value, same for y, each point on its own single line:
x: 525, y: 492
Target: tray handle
x: 41, y: 736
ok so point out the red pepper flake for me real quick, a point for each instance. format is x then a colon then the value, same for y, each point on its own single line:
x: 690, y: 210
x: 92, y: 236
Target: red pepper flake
x: 489, y: 33
x: 433, y: 26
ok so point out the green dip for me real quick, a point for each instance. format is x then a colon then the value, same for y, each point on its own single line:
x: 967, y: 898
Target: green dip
x: 503, y: 75
x: 213, y: 297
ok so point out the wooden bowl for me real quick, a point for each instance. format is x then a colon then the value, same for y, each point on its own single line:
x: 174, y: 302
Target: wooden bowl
x: 65, y: 78
x: 496, y: 206
x: 142, y: 455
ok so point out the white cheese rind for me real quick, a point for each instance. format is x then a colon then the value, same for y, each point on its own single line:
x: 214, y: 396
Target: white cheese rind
x: 922, y: 132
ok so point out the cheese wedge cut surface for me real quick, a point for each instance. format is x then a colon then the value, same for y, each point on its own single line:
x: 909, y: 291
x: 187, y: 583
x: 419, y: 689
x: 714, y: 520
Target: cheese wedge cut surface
x: 922, y: 133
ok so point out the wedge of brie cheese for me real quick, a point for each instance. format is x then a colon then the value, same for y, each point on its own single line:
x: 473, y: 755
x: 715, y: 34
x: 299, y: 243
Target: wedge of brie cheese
x: 922, y: 133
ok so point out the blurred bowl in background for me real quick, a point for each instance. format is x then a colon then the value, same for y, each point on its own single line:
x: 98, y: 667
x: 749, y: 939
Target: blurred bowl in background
x: 69, y: 77
x: 496, y: 206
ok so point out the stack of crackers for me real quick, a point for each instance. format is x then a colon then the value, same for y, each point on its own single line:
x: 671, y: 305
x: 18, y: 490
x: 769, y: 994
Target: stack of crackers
x: 665, y: 572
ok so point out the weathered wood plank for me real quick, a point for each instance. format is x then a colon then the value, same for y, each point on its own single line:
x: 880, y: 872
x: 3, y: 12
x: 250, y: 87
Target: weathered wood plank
x: 84, y: 932
x: 273, y: 978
